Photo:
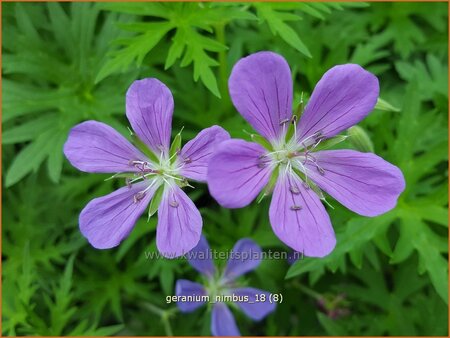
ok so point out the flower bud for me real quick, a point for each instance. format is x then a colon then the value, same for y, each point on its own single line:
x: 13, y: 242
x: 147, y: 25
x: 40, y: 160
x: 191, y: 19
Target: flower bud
x: 360, y: 139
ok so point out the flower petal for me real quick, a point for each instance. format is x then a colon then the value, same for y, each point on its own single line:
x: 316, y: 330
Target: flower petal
x: 187, y: 288
x: 223, y: 322
x: 97, y: 148
x: 107, y: 220
x: 200, y: 258
x: 342, y: 98
x: 149, y: 106
x: 299, y: 219
x: 235, y: 173
x: 363, y: 182
x: 179, y: 223
x: 253, y: 306
x: 196, y: 153
x: 261, y: 90
x: 245, y: 257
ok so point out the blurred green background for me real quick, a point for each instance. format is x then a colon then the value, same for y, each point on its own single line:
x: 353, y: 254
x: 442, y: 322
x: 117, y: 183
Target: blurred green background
x: 64, y: 63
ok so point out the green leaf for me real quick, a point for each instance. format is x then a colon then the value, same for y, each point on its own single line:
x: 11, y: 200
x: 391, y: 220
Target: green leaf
x: 143, y: 147
x: 155, y: 201
x: 29, y: 159
x: 166, y: 277
x: 276, y: 21
x: 330, y: 326
x: 175, y: 147
x: 427, y: 245
x: 56, y: 158
x: 431, y: 77
x: 358, y: 231
x: 29, y: 130
x: 262, y: 141
x: 270, y: 186
x: 187, y: 43
x: 134, y: 49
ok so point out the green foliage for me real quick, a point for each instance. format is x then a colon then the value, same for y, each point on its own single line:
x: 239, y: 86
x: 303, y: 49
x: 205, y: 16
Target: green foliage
x: 50, y: 59
x: 417, y: 152
x: 188, y: 21
x: 64, y: 63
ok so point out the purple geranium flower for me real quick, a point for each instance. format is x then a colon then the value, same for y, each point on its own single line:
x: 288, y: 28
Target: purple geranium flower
x: 289, y: 161
x: 153, y: 175
x: 255, y: 303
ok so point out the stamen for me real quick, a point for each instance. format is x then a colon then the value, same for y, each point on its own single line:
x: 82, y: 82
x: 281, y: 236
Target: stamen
x: 174, y: 204
x: 185, y: 183
x: 315, y: 137
x: 128, y: 182
x: 320, y: 170
x: 294, y: 190
x: 137, y: 197
x: 296, y: 207
x: 173, y: 177
x: 306, y: 185
x: 282, y: 122
x: 176, y: 153
x: 187, y: 160
x: 318, y: 135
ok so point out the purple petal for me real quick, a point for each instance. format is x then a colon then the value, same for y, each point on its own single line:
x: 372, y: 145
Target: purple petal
x: 186, y: 288
x: 363, y: 182
x: 97, y: 148
x: 196, y: 153
x: 200, y: 258
x: 261, y: 90
x: 253, y: 306
x: 107, y: 220
x: 222, y: 322
x: 342, y: 98
x: 236, y: 174
x: 299, y: 219
x: 245, y: 257
x: 179, y: 223
x: 149, y: 106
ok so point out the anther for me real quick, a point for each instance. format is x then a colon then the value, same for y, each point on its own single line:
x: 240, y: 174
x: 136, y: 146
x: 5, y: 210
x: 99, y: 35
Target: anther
x: 187, y: 160
x: 294, y: 190
x: 306, y: 185
x: 320, y: 170
x: 318, y: 135
x: 296, y: 207
x: 294, y: 119
x: 284, y: 121
x: 137, y: 197
x: 128, y: 182
x: 144, y: 166
x: 174, y: 204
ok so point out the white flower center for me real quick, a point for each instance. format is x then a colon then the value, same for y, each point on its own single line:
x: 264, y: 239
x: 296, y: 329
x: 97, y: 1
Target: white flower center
x: 164, y: 172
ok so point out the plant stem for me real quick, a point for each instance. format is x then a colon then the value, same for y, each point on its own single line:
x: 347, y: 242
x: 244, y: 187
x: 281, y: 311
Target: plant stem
x: 307, y: 290
x: 163, y: 314
x: 167, y: 326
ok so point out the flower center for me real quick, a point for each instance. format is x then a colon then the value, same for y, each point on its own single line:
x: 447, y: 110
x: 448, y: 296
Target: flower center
x: 165, y: 171
x: 294, y: 155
